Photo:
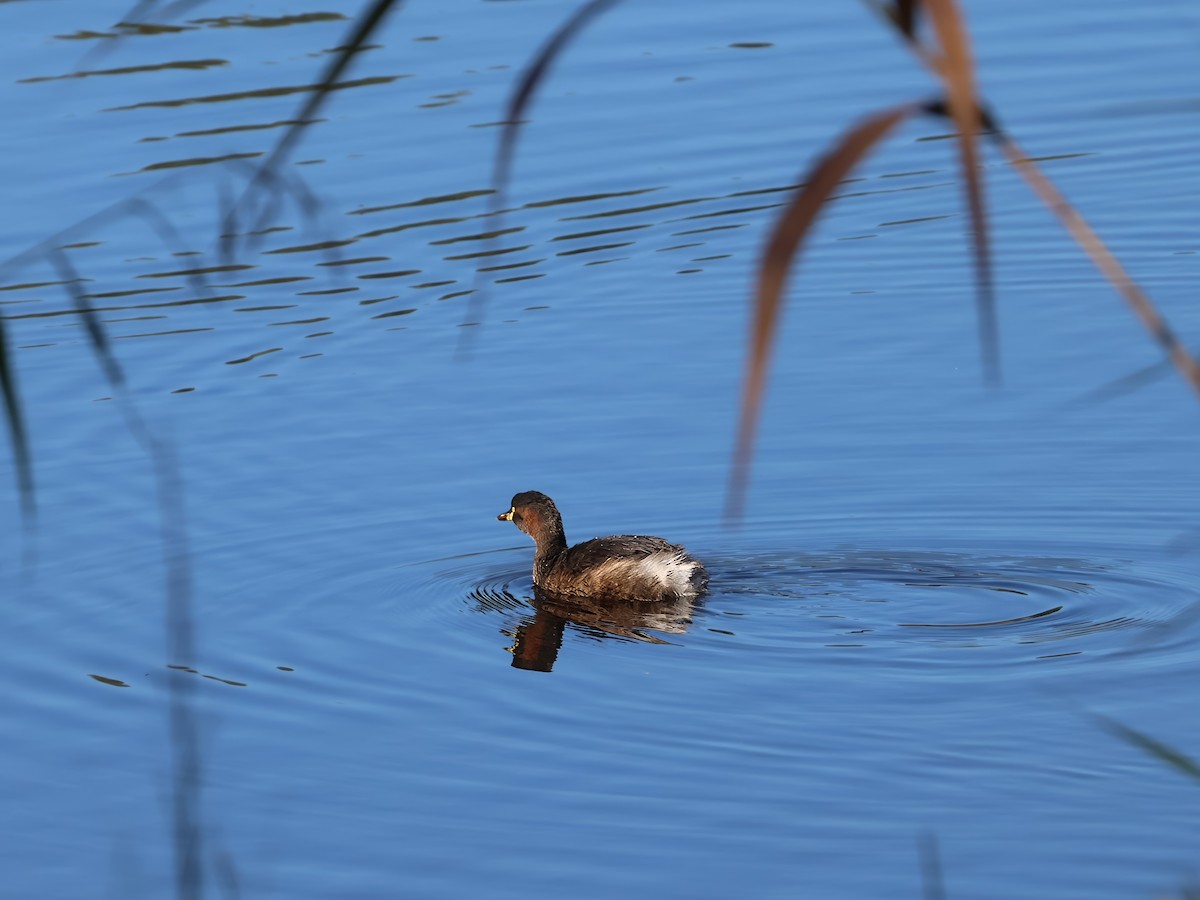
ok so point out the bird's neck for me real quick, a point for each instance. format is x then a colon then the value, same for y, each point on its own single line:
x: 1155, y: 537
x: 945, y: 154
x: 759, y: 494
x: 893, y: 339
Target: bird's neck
x: 550, y: 546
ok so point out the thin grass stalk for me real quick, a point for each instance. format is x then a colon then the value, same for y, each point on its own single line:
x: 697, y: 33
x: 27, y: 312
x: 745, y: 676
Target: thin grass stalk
x: 365, y: 25
x: 523, y: 92
x: 16, y: 430
x: 186, y: 755
x: 519, y: 100
x: 1176, y: 759
x: 189, y: 839
x: 92, y: 325
x: 933, y: 879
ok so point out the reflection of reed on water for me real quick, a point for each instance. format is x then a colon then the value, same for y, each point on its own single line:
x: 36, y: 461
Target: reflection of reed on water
x: 536, y: 640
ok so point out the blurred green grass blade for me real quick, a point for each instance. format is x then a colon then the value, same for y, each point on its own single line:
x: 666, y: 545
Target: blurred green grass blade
x: 933, y: 879
x: 793, y: 225
x: 16, y: 428
x: 1176, y: 759
x: 514, y: 112
x: 531, y: 78
x: 365, y: 24
x: 158, y: 222
x: 91, y: 322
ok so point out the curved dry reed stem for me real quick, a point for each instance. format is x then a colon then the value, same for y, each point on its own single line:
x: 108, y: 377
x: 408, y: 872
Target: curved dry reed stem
x: 956, y: 69
x: 1103, y: 259
x: 951, y: 63
x: 792, y: 226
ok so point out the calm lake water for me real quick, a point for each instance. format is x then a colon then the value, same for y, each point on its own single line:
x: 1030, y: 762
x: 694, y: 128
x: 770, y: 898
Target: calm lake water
x: 938, y: 594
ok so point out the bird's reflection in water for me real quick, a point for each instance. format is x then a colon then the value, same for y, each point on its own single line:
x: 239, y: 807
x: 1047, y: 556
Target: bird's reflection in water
x: 536, y: 641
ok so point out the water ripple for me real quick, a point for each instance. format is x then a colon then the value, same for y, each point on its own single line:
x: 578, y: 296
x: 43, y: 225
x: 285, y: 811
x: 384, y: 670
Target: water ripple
x: 905, y: 610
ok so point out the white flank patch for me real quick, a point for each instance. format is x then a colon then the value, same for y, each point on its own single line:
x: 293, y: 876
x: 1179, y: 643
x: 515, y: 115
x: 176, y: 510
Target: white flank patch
x: 670, y: 569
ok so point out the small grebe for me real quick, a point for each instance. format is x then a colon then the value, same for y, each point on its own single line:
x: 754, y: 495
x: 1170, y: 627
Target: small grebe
x: 623, y: 567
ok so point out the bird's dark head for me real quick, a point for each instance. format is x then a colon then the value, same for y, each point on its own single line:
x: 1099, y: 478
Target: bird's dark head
x: 535, y: 514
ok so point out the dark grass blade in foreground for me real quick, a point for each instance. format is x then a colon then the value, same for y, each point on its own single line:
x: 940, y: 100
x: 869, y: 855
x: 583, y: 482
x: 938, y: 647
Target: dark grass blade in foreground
x: 933, y: 881
x: 48, y: 249
x: 514, y: 112
x: 140, y: 10
x: 790, y: 229
x: 190, y: 838
x: 1176, y: 759
x: 16, y: 430
x: 169, y: 235
x: 522, y: 95
x: 365, y: 24
x: 92, y: 326
x: 1126, y: 384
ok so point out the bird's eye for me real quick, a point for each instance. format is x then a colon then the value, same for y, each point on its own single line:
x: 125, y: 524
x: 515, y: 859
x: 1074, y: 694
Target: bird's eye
x: 516, y: 516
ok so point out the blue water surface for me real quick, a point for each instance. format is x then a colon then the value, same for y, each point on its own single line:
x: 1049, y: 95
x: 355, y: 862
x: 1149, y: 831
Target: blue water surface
x: 940, y: 606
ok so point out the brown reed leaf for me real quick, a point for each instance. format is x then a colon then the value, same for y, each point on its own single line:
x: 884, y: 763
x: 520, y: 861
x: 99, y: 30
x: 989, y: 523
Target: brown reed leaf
x: 1102, y: 258
x: 956, y: 69
x: 953, y: 67
x: 793, y: 225
x: 903, y: 14
x: 951, y: 62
